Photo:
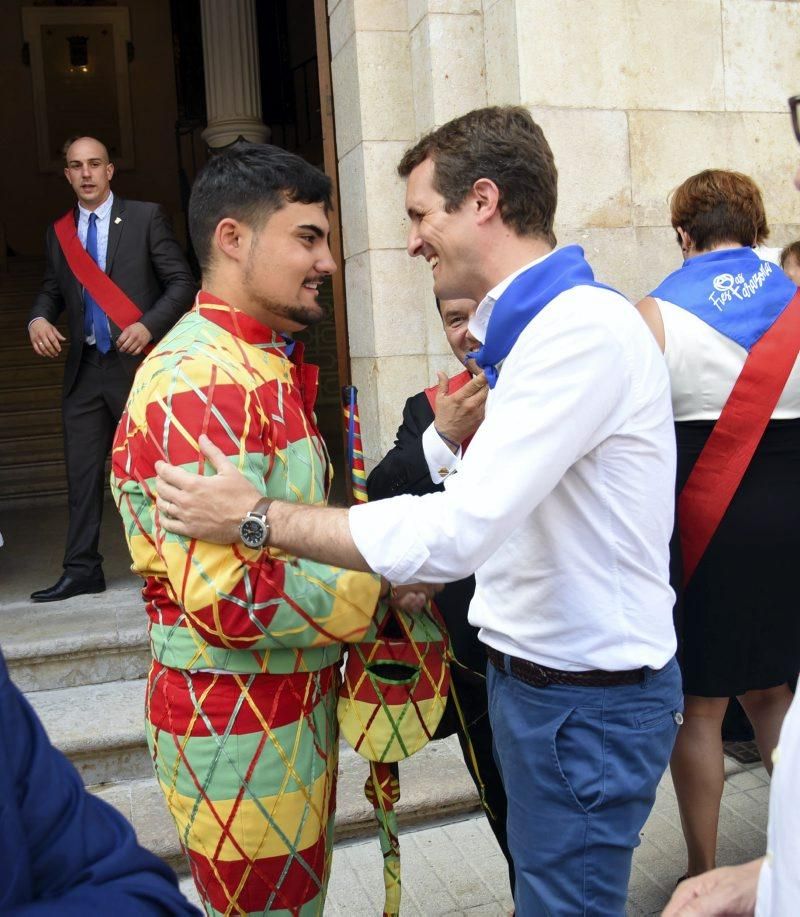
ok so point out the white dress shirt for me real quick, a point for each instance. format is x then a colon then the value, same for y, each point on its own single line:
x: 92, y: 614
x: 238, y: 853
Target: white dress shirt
x: 563, y: 504
x: 103, y: 213
x: 779, y: 880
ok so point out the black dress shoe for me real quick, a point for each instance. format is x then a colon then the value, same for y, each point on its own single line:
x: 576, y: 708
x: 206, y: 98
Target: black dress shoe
x: 68, y: 586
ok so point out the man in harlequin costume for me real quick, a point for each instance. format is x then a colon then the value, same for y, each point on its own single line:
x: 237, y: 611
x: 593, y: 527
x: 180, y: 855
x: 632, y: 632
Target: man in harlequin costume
x: 437, y: 427
x: 241, y: 698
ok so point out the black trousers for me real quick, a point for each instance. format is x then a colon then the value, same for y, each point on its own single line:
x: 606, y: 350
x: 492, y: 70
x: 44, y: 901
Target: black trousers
x: 91, y: 410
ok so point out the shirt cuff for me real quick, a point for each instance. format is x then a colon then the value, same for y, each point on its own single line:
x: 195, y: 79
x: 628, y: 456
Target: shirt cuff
x: 441, y: 461
x: 38, y: 317
x: 388, y: 547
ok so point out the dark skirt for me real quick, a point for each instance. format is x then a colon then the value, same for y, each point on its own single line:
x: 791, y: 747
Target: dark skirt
x: 738, y: 621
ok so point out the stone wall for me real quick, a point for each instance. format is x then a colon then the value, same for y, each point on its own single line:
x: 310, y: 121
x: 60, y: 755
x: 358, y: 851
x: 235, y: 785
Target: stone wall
x: 634, y: 96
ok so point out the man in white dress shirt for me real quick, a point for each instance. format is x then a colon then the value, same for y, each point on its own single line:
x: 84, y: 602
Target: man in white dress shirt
x: 563, y: 507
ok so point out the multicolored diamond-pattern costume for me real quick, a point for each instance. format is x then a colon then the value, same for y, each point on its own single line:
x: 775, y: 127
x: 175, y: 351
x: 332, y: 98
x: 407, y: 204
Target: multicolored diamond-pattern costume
x: 241, y: 702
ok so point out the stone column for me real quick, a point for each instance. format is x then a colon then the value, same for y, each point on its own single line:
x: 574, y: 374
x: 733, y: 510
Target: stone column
x: 233, y: 88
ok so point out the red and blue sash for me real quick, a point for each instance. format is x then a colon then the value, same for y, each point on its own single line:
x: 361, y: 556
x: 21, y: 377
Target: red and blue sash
x: 524, y: 299
x: 116, y: 304
x: 755, y: 304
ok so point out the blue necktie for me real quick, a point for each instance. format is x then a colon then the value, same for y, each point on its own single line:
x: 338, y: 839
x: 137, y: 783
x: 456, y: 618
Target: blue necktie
x: 93, y: 315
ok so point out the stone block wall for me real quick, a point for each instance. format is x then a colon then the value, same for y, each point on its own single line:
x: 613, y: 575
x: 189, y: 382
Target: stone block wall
x: 633, y: 95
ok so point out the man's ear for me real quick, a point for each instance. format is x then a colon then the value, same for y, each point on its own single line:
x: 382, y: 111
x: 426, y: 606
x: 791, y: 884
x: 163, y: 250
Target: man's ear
x: 684, y: 238
x: 229, y: 238
x: 110, y: 171
x: 486, y: 199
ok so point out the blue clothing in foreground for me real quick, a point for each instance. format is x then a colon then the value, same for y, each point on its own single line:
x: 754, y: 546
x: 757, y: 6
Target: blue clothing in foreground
x: 63, y: 851
x: 580, y: 766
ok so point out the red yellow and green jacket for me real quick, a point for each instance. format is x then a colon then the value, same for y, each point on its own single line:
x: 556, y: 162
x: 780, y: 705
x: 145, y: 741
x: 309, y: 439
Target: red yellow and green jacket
x: 229, y: 607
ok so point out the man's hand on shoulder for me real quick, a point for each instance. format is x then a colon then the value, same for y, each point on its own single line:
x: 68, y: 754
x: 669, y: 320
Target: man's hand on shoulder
x: 206, y: 508
x: 459, y: 415
x: 133, y: 339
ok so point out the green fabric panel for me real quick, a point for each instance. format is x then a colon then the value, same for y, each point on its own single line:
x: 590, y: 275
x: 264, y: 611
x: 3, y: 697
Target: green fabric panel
x: 221, y: 763
x: 175, y: 648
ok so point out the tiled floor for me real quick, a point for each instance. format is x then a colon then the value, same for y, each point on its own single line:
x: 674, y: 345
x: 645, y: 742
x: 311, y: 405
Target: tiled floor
x: 457, y: 868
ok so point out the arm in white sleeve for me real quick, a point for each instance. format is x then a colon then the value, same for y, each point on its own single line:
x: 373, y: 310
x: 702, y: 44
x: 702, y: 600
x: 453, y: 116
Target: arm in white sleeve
x: 561, y: 392
x: 441, y: 461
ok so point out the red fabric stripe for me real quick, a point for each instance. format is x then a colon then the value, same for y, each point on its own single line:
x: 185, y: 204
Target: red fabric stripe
x: 281, y: 699
x: 727, y: 453
x: 263, y: 878
x: 111, y: 299
x: 455, y: 383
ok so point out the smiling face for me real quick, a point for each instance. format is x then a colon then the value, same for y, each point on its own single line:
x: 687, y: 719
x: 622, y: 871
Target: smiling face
x: 447, y: 241
x: 456, y: 314
x: 288, y: 259
x: 89, y: 172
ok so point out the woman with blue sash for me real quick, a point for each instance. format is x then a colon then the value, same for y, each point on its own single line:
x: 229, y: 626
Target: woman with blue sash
x: 736, y: 610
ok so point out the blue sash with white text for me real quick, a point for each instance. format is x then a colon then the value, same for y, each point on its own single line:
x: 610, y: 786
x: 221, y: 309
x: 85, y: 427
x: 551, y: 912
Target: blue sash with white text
x: 524, y: 299
x: 732, y: 290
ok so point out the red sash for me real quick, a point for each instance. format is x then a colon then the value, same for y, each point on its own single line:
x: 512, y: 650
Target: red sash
x: 456, y: 382
x: 729, y: 449
x: 113, y: 301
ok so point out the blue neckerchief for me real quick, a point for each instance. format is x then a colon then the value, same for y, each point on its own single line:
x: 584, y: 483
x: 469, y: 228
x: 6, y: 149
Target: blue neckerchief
x: 290, y: 344
x: 733, y: 291
x: 524, y: 299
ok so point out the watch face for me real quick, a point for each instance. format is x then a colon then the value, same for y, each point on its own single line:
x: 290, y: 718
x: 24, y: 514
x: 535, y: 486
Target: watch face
x: 253, y: 533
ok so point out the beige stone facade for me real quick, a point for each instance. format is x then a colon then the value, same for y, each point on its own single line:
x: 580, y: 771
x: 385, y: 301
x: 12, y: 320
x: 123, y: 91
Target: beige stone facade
x: 634, y: 96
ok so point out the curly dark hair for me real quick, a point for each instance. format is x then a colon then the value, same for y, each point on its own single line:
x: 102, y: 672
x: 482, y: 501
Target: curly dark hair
x: 504, y: 144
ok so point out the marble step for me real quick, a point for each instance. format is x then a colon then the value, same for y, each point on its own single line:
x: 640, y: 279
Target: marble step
x: 434, y: 785
x: 86, y: 640
x: 100, y: 728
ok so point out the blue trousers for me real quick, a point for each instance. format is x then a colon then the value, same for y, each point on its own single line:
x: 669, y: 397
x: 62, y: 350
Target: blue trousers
x: 580, y: 767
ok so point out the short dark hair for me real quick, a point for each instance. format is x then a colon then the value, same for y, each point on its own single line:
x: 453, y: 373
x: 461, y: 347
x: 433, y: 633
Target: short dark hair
x: 792, y: 250
x: 249, y: 182
x: 504, y: 144
x: 717, y: 206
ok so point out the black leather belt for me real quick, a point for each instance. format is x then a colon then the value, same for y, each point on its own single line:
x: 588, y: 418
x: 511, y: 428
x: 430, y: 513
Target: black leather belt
x: 541, y: 675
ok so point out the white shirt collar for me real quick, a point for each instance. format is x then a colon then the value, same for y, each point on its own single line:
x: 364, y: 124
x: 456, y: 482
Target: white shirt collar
x: 480, y: 320
x: 102, y: 211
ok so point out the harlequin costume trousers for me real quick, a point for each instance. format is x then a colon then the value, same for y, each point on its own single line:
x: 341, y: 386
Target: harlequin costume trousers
x: 247, y: 764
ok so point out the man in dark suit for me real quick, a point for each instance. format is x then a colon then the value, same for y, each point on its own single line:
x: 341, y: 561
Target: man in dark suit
x: 133, y: 243
x: 421, y: 459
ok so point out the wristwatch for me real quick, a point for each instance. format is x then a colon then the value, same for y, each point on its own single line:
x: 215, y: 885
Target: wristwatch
x: 254, y: 528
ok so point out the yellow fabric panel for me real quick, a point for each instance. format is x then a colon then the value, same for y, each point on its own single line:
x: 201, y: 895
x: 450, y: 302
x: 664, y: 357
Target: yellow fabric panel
x: 301, y: 817
x: 354, y: 601
x: 381, y: 743
x: 217, y: 571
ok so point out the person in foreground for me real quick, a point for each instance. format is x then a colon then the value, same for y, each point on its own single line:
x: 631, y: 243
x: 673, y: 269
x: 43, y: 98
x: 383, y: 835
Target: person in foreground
x: 132, y: 243
x: 64, y: 852
x: 438, y: 425
x: 246, y: 639
x: 769, y: 886
x: 562, y: 506
x: 739, y: 631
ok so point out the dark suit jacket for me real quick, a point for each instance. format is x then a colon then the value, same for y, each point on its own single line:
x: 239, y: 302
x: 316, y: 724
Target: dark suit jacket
x: 64, y: 852
x: 403, y: 470
x: 144, y: 260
